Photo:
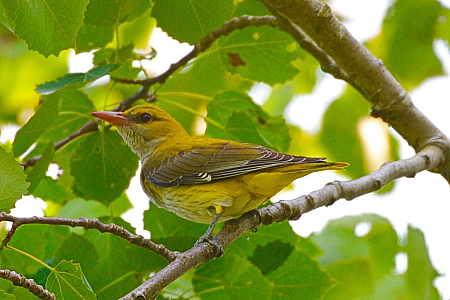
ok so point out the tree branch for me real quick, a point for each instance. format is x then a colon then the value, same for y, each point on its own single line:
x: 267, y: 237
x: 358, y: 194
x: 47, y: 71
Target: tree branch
x: 427, y: 159
x: 389, y: 100
x: 29, y: 284
x: 90, y: 224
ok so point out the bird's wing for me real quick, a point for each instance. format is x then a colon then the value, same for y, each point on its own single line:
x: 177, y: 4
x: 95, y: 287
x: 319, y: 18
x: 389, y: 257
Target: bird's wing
x: 218, y: 161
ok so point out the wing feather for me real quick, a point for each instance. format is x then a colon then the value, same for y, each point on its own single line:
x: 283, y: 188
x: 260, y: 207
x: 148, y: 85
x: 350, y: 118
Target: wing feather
x: 215, y: 162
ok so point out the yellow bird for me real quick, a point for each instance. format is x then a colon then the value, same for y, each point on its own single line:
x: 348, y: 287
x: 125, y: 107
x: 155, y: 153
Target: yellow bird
x: 202, y: 179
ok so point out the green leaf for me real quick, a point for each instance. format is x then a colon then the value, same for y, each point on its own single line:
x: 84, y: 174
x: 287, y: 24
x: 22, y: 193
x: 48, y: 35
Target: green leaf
x: 172, y: 231
x: 195, y: 19
x: 74, y: 110
x: 12, y: 181
x: 92, y: 37
x: 49, y: 190
x: 299, y: 275
x: 73, y: 78
x: 67, y: 282
x: 280, y: 97
x: 46, y: 26
x: 78, y: 249
x: 78, y: 208
x: 102, y: 167
x: 104, y: 18
x: 231, y: 277
x: 357, y: 262
x: 49, y: 238
x: 245, y: 121
x: 113, y: 12
x: 406, y: 50
x: 7, y: 296
x: 421, y: 273
x: 37, y: 125
x: 37, y: 173
x: 121, y: 266
x: 340, y: 131
x: 261, y: 54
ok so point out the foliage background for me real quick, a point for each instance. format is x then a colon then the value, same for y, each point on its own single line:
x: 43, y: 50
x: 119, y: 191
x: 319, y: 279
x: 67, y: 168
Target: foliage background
x: 407, y: 51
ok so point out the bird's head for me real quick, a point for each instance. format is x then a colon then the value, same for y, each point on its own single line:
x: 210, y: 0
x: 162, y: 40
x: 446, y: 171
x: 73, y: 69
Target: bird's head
x: 144, y: 127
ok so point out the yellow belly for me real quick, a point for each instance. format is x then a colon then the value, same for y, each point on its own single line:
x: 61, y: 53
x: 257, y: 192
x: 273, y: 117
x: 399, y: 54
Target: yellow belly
x: 237, y: 195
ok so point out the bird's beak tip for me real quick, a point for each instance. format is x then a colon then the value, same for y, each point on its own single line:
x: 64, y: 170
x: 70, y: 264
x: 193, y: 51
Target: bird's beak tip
x: 111, y: 117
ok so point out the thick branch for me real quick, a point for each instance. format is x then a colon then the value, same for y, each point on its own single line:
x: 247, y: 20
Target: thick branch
x: 389, y: 100
x: 90, y: 224
x: 29, y: 284
x: 427, y: 159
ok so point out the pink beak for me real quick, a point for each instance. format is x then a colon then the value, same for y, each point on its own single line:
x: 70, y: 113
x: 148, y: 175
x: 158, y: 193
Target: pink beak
x: 115, y: 118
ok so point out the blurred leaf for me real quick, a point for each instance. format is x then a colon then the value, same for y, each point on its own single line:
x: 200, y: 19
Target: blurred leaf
x: 355, y: 279
x: 421, y: 273
x: 7, y: 296
x: 251, y: 8
x: 106, y: 155
x: 406, y: 50
x: 74, y: 110
x: 245, y: 122
x: 260, y: 54
x: 121, y: 205
x: 172, y: 231
x: 279, y: 98
x: 195, y: 19
x: 37, y: 173
x: 67, y: 282
x: 37, y: 125
x: 12, y: 181
x: 231, y: 277
x: 300, y: 275
x: 443, y: 26
x: 72, y: 78
x: 339, y: 133
x: 357, y: 262
x: 47, y: 26
x: 80, y: 208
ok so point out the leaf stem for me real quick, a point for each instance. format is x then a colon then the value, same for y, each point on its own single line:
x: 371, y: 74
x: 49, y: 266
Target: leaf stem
x: 31, y: 257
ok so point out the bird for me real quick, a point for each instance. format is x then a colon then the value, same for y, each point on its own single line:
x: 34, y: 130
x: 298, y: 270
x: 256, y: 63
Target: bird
x: 205, y: 180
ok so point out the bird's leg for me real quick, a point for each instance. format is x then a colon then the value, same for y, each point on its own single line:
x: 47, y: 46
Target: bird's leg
x: 208, y: 237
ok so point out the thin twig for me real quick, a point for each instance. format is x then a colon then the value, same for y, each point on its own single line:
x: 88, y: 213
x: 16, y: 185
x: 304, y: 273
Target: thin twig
x: 143, y: 92
x: 29, y: 284
x: 90, y: 224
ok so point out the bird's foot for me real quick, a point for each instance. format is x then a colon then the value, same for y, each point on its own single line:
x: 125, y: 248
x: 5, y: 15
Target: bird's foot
x: 209, y: 238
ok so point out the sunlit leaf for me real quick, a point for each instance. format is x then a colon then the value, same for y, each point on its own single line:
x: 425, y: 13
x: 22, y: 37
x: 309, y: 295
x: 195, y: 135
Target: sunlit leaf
x: 194, y: 18
x: 73, y: 78
x: 12, y: 181
x: 46, y: 26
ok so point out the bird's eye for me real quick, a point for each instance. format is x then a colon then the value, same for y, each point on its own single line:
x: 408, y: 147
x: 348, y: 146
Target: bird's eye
x: 145, y: 118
